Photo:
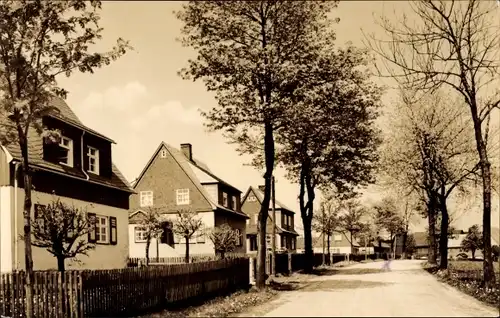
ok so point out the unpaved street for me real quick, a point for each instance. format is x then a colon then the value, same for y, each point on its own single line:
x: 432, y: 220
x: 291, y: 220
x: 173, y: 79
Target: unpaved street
x: 364, y: 290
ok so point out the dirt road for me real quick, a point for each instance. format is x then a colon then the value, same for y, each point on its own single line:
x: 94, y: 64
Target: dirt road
x: 365, y: 290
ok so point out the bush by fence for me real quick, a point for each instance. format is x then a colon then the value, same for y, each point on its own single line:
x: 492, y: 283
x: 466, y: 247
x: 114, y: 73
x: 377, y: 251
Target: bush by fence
x: 104, y: 293
x: 135, y: 261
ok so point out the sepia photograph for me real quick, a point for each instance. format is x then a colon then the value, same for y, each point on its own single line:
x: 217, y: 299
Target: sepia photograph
x: 258, y: 158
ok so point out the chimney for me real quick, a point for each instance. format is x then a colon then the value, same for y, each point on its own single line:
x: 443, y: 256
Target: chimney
x: 187, y: 150
x: 262, y: 188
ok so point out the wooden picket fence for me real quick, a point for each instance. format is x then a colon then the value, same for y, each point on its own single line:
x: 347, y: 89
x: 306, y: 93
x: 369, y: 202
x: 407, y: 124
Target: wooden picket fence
x: 129, y: 291
x: 54, y: 294
x: 135, y: 261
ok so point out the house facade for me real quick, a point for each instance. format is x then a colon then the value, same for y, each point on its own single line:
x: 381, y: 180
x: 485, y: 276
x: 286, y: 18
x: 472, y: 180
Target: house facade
x: 173, y: 180
x: 286, y: 236
x: 339, y: 244
x: 78, y: 170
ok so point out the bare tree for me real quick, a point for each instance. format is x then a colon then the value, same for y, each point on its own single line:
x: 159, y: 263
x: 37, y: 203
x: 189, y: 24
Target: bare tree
x: 151, y: 226
x: 62, y: 230
x: 453, y: 44
x: 326, y: 220
x: 40, y: 40
x: 224, y: 238
x: 185, y: 225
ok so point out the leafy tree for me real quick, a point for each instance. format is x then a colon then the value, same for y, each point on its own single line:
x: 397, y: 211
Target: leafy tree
x: 351, y: 220
x: 335, y: 102
x: 152, y: 227
x: 410, y: 246
x: 224, y: 238
x: 451, y: 44
x: 496, y: 251
x: 326, y: 221
x: 185, y: 225
x: 250, y: 54
x: 62, y: 230
x: 388, y: 218
x: 40, y: 40
x: 473, y: 241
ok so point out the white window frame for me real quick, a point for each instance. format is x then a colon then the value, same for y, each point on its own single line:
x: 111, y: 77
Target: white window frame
x: 94, y: 157
x: 337, y: 237
x: 200, y: 236
x: 239, y: 242
x: 146, y: 198
x: 251, y: 198
x: 182, y: 196
x: 102, y: 229
x: 69, y: 148
x: 235, y: 202
x: 139, y: 234
x: 163, y: 153
x: 225, y: 199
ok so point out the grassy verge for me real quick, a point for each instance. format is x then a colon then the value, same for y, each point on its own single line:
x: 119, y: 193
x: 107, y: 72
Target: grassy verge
x: 467, y: 277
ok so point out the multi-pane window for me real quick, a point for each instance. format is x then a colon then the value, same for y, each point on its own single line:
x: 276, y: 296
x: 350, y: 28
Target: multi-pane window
x: 224, y: 199
x: 66, y: 145
x: 239, y: 241
x: 146, y: 198
x: 140, y: 234
x: 102, y: 229
x: 93, y: 155
x: 251, y: 198
x: 163, y: 153
x: 337, y: 237
x: 182, y: 196
x: 234, y: 203
x: 200, y: 236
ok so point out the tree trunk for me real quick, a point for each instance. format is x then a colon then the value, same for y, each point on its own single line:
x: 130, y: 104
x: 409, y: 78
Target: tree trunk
x: 328, y: 244
x: 260, y: 280
x: 60, y: 264
x: 443, y: 239
x: 488, y: 273
x: 405, y: 239
x: 148, y: 243
x: 186, y: 258
x: 309, y: 255
x: 431, y: 217
x: 352, y: 247
x: 28, y: 254
x: 473, y: 251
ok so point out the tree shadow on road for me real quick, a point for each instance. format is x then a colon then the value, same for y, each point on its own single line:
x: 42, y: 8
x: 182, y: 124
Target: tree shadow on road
x: 324, y: 285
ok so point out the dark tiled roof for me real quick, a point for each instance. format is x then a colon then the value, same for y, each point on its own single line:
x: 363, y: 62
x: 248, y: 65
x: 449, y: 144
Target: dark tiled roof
x: 420, y: 239
x: 35, y: 153
x: 260, y: 196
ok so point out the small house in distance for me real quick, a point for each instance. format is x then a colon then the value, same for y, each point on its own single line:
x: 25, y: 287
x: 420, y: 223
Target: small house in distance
x: 173, y: 180
x: 286, y: 236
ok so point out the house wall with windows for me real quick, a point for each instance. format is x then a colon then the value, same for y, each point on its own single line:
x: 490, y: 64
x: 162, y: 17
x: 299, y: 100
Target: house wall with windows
x: 109, y: 253
x: 238, y: 224
x: 199, y: 243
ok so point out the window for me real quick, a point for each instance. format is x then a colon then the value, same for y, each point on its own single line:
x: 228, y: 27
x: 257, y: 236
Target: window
x: 102, y: 229
x: 239, y: 240
x: 224, y: 199
x: 146, y: 198
x: 163, y: 153
x: 234, y: 203
x: 182, y: 196
x: 293, y: 243
x: 67, y: 151
x: 337, y: 237
x: 251, y: 198
x: 93, y: 155
x: 248, y: 221
x: 140, y: 234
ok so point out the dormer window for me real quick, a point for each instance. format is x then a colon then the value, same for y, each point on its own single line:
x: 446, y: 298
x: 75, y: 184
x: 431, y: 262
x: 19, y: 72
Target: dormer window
x: 234, y: 203
x: 67, y: 151
x: 224, y: 199
x: 93, y: 155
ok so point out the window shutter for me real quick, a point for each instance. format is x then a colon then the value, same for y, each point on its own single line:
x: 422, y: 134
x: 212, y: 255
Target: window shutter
x: 39, y: 216
x: 112, y: 230
x: 92, y: 220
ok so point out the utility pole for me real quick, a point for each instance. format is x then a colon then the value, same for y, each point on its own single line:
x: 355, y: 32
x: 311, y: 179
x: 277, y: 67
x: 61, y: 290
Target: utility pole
x: 323, y: 234
x: 273, y: 194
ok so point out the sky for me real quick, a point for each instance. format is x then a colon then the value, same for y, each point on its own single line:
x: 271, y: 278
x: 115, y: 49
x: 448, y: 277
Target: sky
x: 139, y: 100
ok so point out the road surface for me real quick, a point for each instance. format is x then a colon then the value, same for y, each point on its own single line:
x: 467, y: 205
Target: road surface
x: 363, y: 290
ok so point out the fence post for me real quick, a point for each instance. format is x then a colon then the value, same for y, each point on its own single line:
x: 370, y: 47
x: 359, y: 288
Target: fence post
x: 289, y: 263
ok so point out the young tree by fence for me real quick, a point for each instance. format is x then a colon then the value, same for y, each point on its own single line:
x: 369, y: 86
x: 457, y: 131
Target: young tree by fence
x: 40, y: 41
x: 388, y: 218
x: 151, y: 227
x: 473, y: 241
x: 452, y: 44
x: 185, y: 225
x: 326, y: 220
x: 351, y: 220
x: 224, y: 238
x: 62, y: 230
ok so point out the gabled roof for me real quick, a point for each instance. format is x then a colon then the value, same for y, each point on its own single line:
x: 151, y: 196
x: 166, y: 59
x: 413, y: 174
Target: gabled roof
x: 35, y: 151
x: 260, y: 197
x: 189, y: 167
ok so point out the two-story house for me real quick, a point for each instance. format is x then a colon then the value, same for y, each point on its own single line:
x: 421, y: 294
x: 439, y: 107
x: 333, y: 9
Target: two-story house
x: 79, y: 171
x: 174, y: 180
x: 286, y: 236
x: 340, y: 243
